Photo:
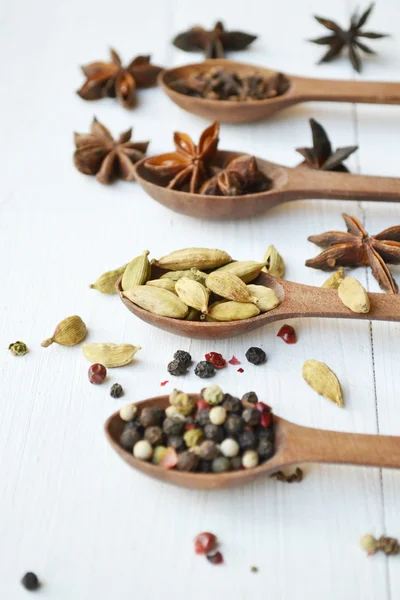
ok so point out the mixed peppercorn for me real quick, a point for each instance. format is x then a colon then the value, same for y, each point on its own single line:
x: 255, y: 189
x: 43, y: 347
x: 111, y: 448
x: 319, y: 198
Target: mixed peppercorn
x: 213, y: 433
x: 213, y: 361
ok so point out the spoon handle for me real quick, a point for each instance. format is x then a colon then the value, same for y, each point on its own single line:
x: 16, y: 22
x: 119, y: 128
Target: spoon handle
x: 330, y: 90
x: 317, y: 445
x: 308, y: 301
x: 305, y: 182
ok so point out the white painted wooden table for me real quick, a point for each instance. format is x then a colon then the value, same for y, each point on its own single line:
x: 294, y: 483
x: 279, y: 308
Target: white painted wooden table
x: 70, y: 509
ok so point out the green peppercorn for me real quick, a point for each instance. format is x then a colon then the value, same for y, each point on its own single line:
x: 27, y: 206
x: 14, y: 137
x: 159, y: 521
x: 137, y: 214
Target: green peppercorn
x: 173, y: 426
x: 151, y: 415
x: 18, y: 348
x: 128, y: 439
x: 214, y: 433
x: 154, y: 435
x: 234, y: 425
x: 187, y: 461
x: 193, y: 437
x: 251, y: 416
x: 183, y: 403
x: 221, y: 464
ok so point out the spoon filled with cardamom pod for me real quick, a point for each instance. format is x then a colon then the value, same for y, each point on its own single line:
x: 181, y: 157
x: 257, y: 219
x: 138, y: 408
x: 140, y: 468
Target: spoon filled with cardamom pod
x: 234, y: 92
x: 151, y: 437
x: 203, y: 293
x: 203, y: 182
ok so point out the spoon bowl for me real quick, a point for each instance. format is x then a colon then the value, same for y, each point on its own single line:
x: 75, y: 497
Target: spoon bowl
x: 301, y: 89
x: 293, y: 444
x: 296, y: 300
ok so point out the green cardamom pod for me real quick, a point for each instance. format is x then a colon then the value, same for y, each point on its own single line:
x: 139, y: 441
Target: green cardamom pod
x: 193, y: 293
x: 165, y: 284
x: 110, y: 355
x: 190, y: 273
x: 267, y: 299
x: 200, y: 258
x: 232, y: 311
x: 137, y: 272
x: 334, y: 280
x: 229, y: 286
x: 70, y: 332
x: 106, y: 282
x: 274, y: 262
x: 157, y: 301
x: 246, y: 270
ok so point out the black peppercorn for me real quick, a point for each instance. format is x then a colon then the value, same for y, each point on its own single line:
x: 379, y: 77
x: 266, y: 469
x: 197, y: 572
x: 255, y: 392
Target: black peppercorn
x: 250, y: 397
x: 154, y: 435
x: 116, y: 391
x: 204, y: 466
x: 214, y: 433
x: 30, y: 582
x: 247, y: 440
x: 234, y: 425
x: 208, y: 450
x: 221, y: 464
x: 173, y: 426
x: 187, y: 461
x: 236, y: 463
x: 251, y: 416
x: 175, y: 367
x: 204, y: 369
x: 151, y: 415
x: 128, y: 438
x: 256, y: 356
x: 177, y: 442
x: 266, y: 433
x: 133, y: 425
x: 203, y: 417
x: 232, y: 404
x: 183, y: 357
x: 265, y: 449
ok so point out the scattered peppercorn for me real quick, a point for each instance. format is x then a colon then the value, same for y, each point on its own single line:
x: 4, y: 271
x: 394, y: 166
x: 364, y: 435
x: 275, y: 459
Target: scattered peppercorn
x: 151, y: 415
x: 173, y: 426
x: 128, y: 439
x: 176, y: 367
x: 205, y: 542
x: 251, y: 416
x: 97, y: 373
x: 187, y: 461
x: 30, y: 582
x: 183, y: 357
x: 232, y: 404
x: 204, y: 369
x: 280, y: 476
x: 265, y: 449
x: 390, y: 546
x: 254, y: 569
x: 208, y: 450
x: 116, y: 391
x: 216, y: 359
x: 177, y: 442
x: 288, y: 334
x: 256, y: 356
x: 250, y: 397
x: 234, y: 361
x: 247, y: 440
x: 234, y: 425
x: 216, y: 558
x: 164, y: 382
x: 154, y: 435
x: 221, y: 464
x: 214, y: 433
x: 202, y: 418
x: 18, y: 348
x: 240, y: 370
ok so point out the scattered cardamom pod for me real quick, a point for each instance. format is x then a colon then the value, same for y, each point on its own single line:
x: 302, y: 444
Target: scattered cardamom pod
x: 232, y: 311
x: 193, y: 293
x: 106, y: 282
x: 18, y: 348
x: 267, y: 298
x: 110, y: 355
x: 70, y: 332
x: 274, y: 262
x: 324, y: 381
x: 137, y: 272
x: 334, y: 280
x: 190, y: 273
x: 246, y: 270
x: 165, y: 284
x: 229, y: 286
x: 157, y: 301
x: 354, y: 295
x: 200, y: 258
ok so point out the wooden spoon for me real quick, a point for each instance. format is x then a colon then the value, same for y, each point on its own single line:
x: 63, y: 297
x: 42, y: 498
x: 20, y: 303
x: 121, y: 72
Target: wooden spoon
x: 301, y: 89
x: 297, y: 300
x: 294, y: 444
x: 288, y: 184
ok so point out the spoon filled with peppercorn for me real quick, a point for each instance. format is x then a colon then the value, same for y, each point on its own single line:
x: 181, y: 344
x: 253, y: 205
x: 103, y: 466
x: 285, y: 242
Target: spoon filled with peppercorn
x: 217, y: 441
x: 234, y: 92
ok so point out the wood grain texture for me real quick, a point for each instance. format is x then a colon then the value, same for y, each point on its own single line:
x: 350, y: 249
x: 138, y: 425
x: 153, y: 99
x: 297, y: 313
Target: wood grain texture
x: 70, y: 509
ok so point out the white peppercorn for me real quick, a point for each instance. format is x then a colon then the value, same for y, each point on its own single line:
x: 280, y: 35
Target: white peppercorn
x: 250, y: 459
x: 217, y: 415
x: 143, y: 450
x: 128, y: 412
x: 229, y: 448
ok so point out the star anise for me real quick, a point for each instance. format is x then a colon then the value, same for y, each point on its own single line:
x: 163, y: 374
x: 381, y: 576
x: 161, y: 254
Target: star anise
x: 320, y: 156
x: 212, y: 42
x: 111, y: 79
x: 340, y: 38
x: 190, y: 163
x: 241, y: 176
x: 98, y: 154
x: 357, y: 248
